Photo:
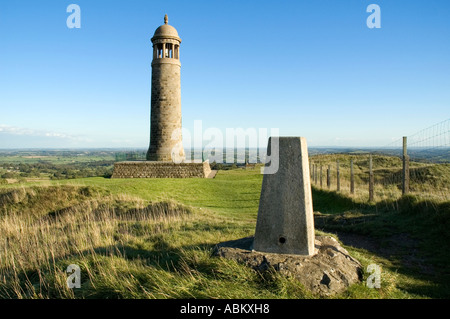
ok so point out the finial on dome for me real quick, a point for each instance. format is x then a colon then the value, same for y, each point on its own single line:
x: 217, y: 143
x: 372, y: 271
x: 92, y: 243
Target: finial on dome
x: 166, y: 19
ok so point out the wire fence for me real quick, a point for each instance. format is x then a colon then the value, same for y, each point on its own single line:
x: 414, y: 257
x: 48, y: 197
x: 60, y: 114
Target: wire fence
x: 136, y: 155
x: 431, y: 144
x: 373, y: 178
x: 229, y: 156
x: 418, y: 164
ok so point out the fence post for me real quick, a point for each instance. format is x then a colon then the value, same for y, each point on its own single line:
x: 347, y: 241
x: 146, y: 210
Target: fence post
x: 315, y: 177
x: 328, y: 176
x: 257, y: 155
x: 338, y: 182
x: 405, y: 177
x: 314, y: 173
x: 352, y: 178
x: 320, y: 176
x: 371, y: 181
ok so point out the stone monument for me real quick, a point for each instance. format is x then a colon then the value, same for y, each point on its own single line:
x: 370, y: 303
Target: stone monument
x: 165, y: 119
x: 284, y: 238
x: 165, y: 156
x: 285, y: 223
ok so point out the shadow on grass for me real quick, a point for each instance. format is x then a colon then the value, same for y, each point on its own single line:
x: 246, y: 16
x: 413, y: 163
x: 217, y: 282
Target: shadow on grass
x: 410, y: 232
x: 331, y: 202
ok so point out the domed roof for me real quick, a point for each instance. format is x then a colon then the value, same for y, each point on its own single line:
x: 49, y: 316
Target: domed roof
x: 166, y: 31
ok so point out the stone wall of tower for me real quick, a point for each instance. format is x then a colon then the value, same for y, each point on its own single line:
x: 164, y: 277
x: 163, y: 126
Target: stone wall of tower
x: 165, y: 120
x: 165, y: 110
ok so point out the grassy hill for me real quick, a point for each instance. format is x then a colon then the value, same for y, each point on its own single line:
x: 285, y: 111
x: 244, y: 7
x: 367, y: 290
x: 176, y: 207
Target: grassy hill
x: 153, y: 238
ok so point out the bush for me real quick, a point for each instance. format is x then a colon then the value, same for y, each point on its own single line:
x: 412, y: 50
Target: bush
x: 9, y: 175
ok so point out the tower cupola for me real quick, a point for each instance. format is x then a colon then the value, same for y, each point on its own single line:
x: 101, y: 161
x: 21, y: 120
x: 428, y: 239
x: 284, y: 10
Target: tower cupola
x: 166, y: 42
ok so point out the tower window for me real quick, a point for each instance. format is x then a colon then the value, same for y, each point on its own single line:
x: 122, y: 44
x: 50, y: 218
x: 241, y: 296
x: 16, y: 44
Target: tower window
x: 175, y: 53
x: 169, y: 50
x: 159, y: 53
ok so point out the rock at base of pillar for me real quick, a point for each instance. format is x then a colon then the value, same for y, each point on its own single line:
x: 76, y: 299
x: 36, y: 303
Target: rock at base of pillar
x: 329, y: 271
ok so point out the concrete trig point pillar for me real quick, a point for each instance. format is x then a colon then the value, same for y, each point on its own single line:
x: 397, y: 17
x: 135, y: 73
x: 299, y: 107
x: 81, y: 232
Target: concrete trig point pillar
x: 285, y: 222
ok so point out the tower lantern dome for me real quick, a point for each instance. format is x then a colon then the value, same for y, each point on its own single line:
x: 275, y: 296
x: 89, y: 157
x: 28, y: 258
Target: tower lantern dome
x: 166, y: 42
x: 166, y: 31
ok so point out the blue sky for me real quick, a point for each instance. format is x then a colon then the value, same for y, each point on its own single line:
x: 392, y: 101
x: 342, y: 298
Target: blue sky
x: 308, y: 68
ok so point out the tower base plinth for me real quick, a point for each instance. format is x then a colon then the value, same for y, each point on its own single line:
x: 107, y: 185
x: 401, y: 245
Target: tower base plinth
x: 155, y: 169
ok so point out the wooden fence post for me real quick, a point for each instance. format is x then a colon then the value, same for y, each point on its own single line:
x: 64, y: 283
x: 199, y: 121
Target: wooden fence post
x: 315, y: 177
x: 405, y: 177
x: 371, y: 180
x: 315, y: 174
x: 338, y: 182
x: 328, y: 176
x: 257, y: 155
x: 320, y: 176
x: 352, y: 178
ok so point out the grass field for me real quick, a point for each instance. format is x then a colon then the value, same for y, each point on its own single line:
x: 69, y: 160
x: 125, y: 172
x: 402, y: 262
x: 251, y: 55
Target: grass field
x: 153, y: 238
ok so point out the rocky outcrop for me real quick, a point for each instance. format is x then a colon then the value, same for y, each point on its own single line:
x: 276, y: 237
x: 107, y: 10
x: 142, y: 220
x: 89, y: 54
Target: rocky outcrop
x: 329, y: 271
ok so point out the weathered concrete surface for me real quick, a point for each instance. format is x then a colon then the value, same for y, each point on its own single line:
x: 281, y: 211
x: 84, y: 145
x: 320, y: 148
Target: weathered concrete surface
x: 285, y: 222
x: 212, y: 174
x: 329, y: 271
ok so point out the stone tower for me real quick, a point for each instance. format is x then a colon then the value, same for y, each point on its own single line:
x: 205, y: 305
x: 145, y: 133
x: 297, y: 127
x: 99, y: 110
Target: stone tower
x: 165, y: 120
x: 165, y: 156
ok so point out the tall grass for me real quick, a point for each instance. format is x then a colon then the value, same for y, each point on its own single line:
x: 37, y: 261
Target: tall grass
x: 32, y: 246
x: 126, y: 247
